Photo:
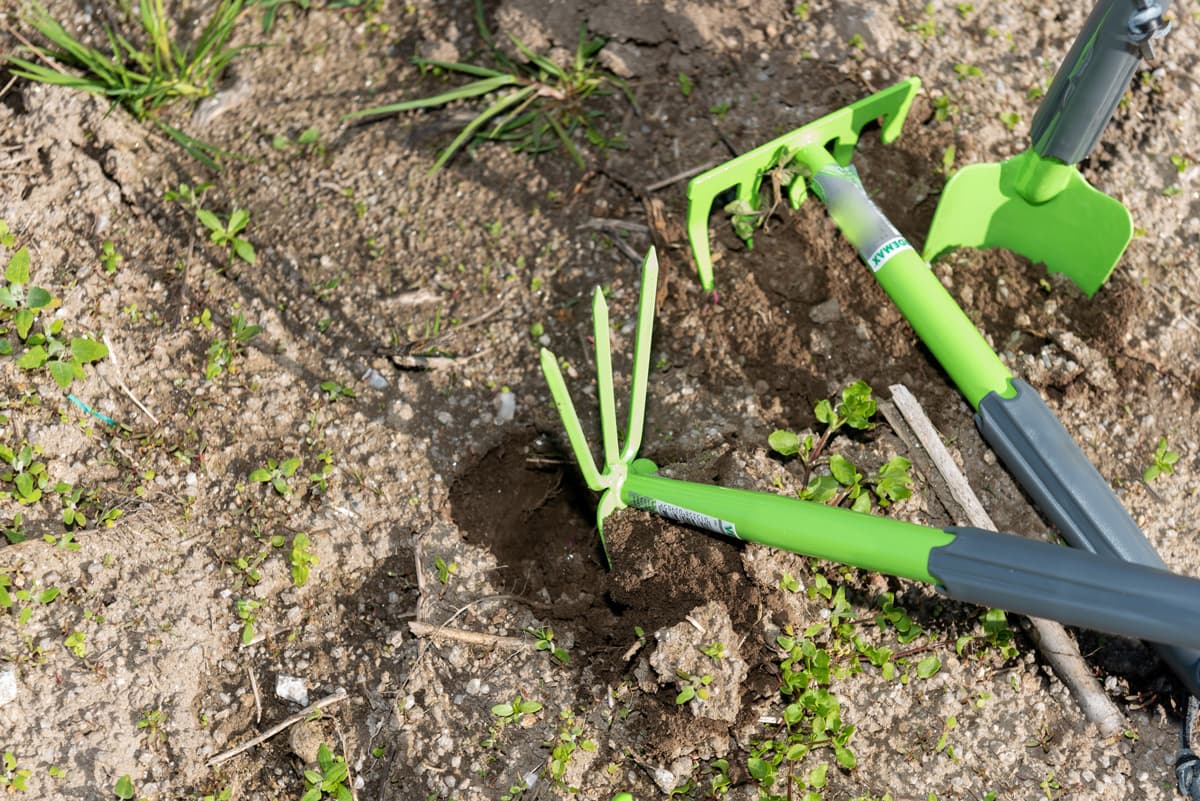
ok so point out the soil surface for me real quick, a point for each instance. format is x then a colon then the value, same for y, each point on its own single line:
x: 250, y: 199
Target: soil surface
x: 401, y: 315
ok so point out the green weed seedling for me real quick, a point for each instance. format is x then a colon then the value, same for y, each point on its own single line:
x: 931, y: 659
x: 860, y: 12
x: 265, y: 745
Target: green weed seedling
x: 152, y: 722
x: 187, y: 195
x: 146, y: 68
x: 302, y: 559
x: 228, y: 234
x: 14, y: 778
x: 270, y: 10
x: 444, y: 569
x: 534, y: 105
x: 569, y: 740
x: 513, y: 711
x: 110, y: 259
x: 277, y: 474
x: 74, y: 642
x: 308, y: 141
x: 336, y: 391
x: 545, y: 642
x: 247, y: 612
x: 27, y: 597
x: 24, y: 471
x: 224, y: 350
x: 23, y: 305
x: 1163, y: 464
x: 891, y: 483
x: 123, y: 788
x: 329, y: 779
x: 692, y: 688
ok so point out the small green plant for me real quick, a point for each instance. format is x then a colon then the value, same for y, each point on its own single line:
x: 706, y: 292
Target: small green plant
x: 685, y: 85
x: 309, y: 141
x: 715, y: 651
x: 187, y: 195
x: 856, y: 42
x: 692, y: 688
x: 944, y: 108
x: 545, y: 642
x: 964, y: 71
x: 320, y: 479
x: 1164, y: 462
x: 328, y: 779
x: 110, y: 259
x: 965, y: 9
x: 534, y: 105
x: 335, y: 391
x: 802, y: 10
x: 152, y: 722
x: 25, y: 305
x: 75, y: 644
x: 943, y: 743
x: 1180, y: 162
x: 927, y: 28
x: 26, y: 596
x: 513, y: 711
x: 247, y: 612
x: 228, y: 234
x: 24, y: 471
x: 569, y: 740
x: 224, y: 350
x: 13, y: 778
x: 277, y: 474
x: 302, y: 559
x: 1009, y: 118
x: 123, y: 789
x: 444, y: 569
x: 789, y: 583
x: 146, y: 68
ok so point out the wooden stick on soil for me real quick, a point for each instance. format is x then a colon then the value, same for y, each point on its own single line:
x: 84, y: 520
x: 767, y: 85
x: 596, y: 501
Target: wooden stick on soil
x: 286, y: 723
x: 420, y: 628
x: 1051, y: 638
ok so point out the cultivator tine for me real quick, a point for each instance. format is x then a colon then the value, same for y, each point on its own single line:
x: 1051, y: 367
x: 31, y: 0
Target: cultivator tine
x: 641, y: 358
x: 604, y: 379
x: 570, y: 420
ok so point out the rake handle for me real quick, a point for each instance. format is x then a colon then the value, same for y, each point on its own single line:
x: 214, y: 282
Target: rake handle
x: 1094, y: 76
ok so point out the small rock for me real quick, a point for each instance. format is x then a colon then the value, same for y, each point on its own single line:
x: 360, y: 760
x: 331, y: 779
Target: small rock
x: 827, y: 312
x: 374, y: 380
x: 506, y: 407
x: 290, y: 688
x: 8, y: 684
x: 305, y: 740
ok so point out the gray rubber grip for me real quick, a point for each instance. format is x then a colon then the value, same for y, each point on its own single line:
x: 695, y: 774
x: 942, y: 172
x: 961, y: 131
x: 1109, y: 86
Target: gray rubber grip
x: 1053, y: 471
x: 1092, y: 78
x: 1074, y: 587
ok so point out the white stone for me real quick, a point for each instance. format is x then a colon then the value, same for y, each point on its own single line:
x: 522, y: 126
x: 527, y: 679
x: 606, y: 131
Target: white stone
x: 290, y: 688
x: 8, y: 685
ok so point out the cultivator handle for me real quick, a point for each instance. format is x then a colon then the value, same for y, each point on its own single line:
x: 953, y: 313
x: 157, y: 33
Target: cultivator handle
x: 1094, y: 76
x: 1071, y: 493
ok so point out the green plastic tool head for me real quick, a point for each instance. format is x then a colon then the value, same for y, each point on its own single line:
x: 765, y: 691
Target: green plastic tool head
x: 1037, y: 207
x: 836, y: 133
x: 618, y: 459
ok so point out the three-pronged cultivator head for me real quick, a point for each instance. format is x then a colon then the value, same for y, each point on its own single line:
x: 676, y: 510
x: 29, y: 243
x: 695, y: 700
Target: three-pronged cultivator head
x: 617, y: 458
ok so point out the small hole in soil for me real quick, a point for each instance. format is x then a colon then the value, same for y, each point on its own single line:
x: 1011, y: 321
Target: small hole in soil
x: 531, y: 509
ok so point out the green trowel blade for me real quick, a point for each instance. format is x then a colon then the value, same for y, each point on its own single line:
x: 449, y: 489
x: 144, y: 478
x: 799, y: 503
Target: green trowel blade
x: 1079, y: 231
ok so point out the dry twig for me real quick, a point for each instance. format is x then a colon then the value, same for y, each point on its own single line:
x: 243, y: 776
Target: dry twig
x: 1051, y: 638
x: 420, y: 628
x: 286, y: 723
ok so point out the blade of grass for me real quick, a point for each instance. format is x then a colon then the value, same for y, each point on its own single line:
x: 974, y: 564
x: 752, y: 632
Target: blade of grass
x: 473, y: 89
x: 458, y: 66
x: 562, y: 135
x: 546, y: 64
x: 467, y: 132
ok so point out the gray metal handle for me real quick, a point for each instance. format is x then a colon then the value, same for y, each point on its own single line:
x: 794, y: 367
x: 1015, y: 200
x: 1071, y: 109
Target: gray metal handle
x: 1054, y: 472
x: 1074, y: 587
x: 1094, y: 75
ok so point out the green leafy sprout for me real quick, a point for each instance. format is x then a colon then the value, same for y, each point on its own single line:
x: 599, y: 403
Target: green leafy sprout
x: 277, y: 474
x: 227, y: 234
x: 328, y: 779
x: 224, y: 350
x: 302, y: 559
x: 1163, y: 464
x: 12, y: 777
x: 891, y: 483
x: 534, y: 105
x: 145, y: 68
x: 545, y: 642
x: 23, y: 305
x: 513, y: 711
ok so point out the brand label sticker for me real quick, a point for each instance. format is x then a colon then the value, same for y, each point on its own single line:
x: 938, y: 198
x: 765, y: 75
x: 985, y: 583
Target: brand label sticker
x: 885, y: 252
x: 692, y: 518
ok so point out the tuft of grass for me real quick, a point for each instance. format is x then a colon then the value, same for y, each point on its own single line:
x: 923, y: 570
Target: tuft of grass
x: 533, y: 104
x: 144, y: 70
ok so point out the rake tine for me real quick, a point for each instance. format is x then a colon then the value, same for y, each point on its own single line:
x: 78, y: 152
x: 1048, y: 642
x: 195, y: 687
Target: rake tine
x: 641, y: 358
x: 604, y: 379
x: 566, y: 411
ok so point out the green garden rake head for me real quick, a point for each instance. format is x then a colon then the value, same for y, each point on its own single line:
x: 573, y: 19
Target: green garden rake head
x: 835, y: 135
